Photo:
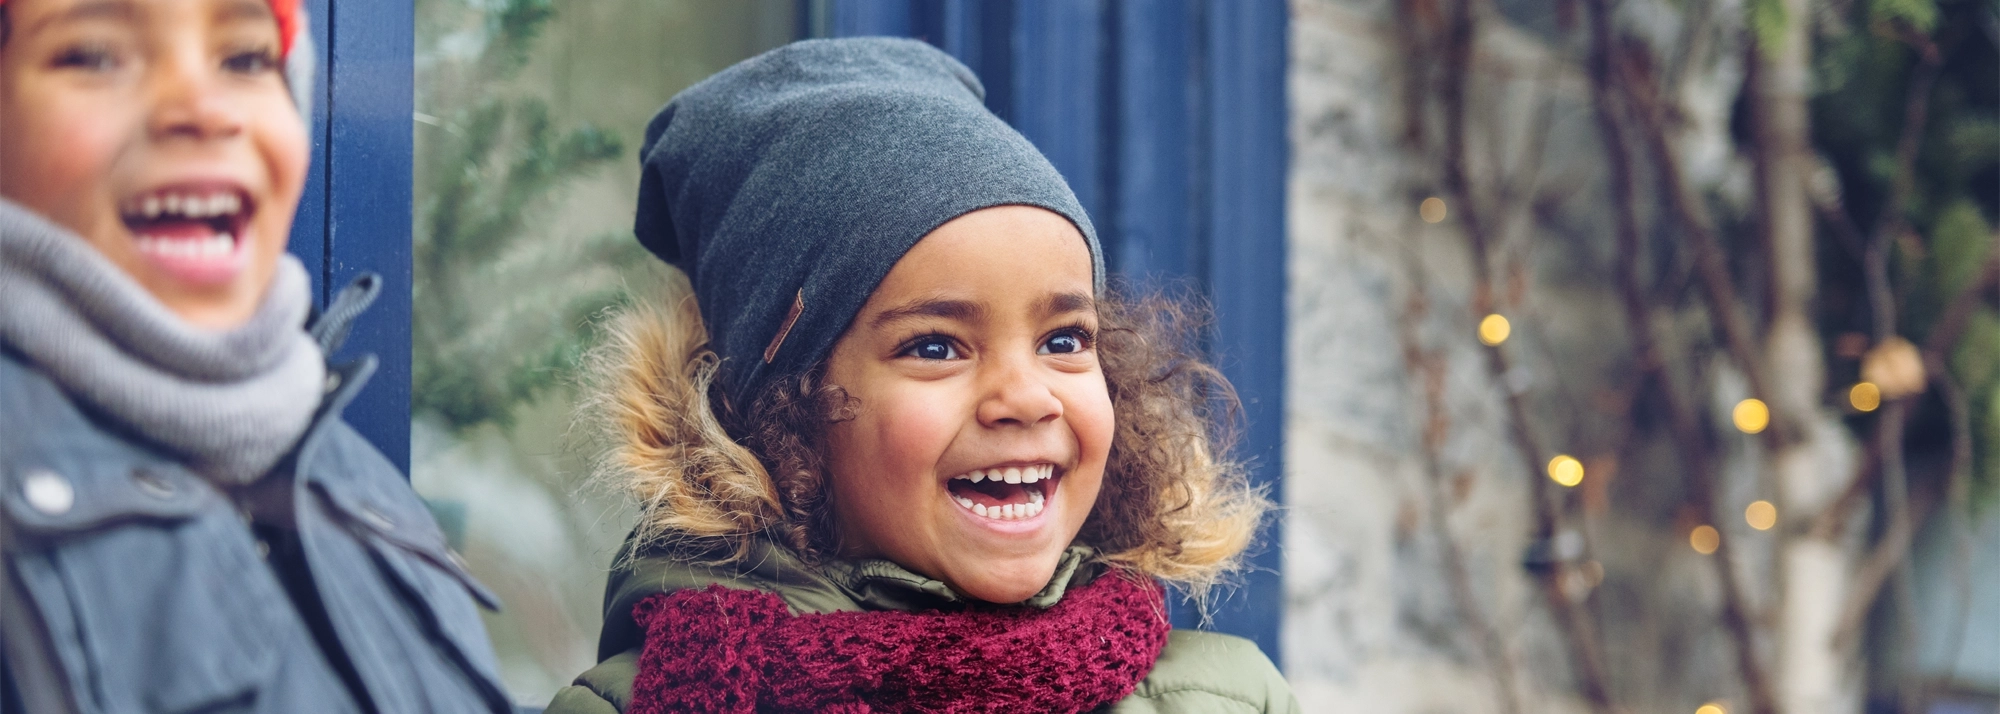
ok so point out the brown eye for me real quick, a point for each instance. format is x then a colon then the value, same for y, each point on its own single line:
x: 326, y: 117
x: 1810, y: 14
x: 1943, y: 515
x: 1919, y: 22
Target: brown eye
x: 89, y: 58
x: 1065, y: 342
x: 256, y: 61
x: 931, y: 348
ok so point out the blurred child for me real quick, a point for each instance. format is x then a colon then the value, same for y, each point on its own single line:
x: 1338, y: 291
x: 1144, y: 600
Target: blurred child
x: 900, y: 450
x: 186, y: 522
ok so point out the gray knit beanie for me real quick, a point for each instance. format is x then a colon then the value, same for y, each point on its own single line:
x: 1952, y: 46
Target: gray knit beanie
x: 788, y: 185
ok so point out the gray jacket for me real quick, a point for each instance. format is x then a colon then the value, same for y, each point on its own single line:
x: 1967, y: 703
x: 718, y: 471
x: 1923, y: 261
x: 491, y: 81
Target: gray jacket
x: 134, y: 585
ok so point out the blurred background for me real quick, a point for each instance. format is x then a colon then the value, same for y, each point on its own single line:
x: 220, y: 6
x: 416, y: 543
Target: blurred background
x: 1605, y: 355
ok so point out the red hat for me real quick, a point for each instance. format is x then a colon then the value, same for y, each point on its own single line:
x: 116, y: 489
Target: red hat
x: 288, y: 14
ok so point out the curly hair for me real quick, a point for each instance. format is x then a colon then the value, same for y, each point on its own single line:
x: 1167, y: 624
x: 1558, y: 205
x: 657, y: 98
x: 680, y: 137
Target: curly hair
x: 710, y: 477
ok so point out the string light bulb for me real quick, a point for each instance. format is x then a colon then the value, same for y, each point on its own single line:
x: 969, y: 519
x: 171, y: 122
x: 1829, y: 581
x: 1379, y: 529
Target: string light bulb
x: 1432, y: 210
x: 1705, y: 539
x: 1751, y: 416
x: 1494, y: 330
x: 1865, y: 396
x: 1711, y: 708
x: 1761, y: 515
x: 1566, y: 470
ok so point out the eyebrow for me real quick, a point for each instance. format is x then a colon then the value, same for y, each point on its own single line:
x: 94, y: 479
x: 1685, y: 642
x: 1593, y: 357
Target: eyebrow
x: 245, y: 10
x: 94, y: 9
x: 962, y: 310
x: 1065, y: 303
x: 966, y: 310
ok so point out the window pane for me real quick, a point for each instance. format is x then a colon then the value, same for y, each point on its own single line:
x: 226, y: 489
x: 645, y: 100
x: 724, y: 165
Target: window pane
x: 529, y: 118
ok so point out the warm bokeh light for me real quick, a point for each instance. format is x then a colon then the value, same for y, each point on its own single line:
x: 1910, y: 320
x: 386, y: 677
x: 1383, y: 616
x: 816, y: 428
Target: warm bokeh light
x: 1705, y: 539
x: 1432, y: 209
x: 1711, y: 708
x: 1761, y: 515
x: 1494, y: 330
x: 1566, y: 470
x: 1865, y: 397
x: 1895, y: 367
x: 1751, y: 416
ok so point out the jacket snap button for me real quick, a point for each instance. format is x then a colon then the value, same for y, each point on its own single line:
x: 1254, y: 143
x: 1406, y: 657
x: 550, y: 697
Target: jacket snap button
x: 153, y: 485
x: 375, y: 518
x: 48, y: 492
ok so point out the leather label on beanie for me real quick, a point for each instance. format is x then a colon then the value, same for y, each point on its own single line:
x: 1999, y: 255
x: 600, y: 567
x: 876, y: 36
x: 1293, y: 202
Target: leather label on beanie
x: 791, y: 318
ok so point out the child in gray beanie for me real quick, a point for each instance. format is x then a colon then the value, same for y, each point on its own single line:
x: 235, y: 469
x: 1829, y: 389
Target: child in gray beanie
x: 186, y: 522
x: 897, y: 446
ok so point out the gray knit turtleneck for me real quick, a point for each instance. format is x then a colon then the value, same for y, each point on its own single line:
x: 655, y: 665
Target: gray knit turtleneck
x: 229, y: 402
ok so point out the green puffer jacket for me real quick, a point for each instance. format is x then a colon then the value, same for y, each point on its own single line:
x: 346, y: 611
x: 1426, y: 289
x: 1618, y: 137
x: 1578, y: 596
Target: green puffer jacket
x: 1199, y: 672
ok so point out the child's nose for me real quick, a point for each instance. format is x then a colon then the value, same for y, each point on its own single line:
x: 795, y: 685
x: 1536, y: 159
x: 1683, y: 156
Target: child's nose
x: 190, y: 102
x: 1015, y: 396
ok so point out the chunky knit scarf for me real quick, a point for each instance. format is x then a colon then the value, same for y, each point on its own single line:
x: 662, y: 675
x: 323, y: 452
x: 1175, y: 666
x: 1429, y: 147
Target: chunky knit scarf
x: 231, y: 403
x: 739, y: 651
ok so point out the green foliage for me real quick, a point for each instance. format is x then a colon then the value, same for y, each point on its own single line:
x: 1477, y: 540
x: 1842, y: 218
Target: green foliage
x: 1767, y: 20
x: 1945, y: 228
x: 1919, y: 15
x: 503, y: 302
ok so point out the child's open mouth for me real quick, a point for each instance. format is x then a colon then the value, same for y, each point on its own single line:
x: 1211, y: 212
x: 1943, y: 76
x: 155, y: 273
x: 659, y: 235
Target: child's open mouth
x: 193, y: 231
x: 1006, y: 494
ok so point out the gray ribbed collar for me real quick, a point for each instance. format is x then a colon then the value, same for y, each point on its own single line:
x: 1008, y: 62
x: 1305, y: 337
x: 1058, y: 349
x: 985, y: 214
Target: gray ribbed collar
x: 230, y: 402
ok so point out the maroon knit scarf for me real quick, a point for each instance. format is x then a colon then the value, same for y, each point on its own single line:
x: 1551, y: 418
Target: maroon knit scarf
x: 727, y: 650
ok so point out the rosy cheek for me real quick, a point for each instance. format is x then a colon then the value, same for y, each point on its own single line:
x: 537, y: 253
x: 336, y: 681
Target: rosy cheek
x: 1088, y: 409
x: 65, y: 166
x: 915, y: 431
x: 283, y: 144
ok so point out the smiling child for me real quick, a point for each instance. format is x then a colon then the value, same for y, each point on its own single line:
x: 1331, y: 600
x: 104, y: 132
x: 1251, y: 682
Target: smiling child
x: 897, y: 447
x: 187, y: 524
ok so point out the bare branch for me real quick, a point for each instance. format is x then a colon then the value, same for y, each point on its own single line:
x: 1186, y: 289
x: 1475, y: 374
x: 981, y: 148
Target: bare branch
x: 1429, y: 368
x: 1711, y: 261
x: 1580, y: 633
x: 1681, y: 416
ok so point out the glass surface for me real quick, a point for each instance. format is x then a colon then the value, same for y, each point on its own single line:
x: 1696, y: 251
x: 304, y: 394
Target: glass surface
x: 528, y: 124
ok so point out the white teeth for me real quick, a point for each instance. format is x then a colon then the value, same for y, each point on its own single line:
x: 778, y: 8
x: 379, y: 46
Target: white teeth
x: 1005, y: 512
x: 186, y: 206
x: 1013, y: 475
x: 978, y: 476
x: 215, y: 246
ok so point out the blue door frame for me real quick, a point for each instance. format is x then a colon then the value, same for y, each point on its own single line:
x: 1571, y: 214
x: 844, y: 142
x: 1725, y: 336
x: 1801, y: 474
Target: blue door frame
x: 355, y: 215
x: 1168, y: 119
x: 1196, y: 195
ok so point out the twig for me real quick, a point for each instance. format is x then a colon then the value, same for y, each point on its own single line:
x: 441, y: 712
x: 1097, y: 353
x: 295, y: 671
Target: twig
x: 1958, y: 495
x: 1944, y: 335
x: 1882, y: 562
x: 1887, y: 559
x: 1684, y: 424
x: 1891, y: 551
x: 1427, y: 366
x: 1711, y: 262
x: 1579, y: 631
x: 1936, y: 352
